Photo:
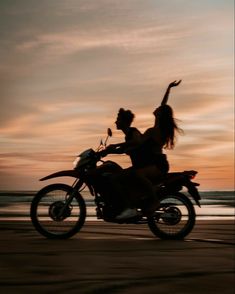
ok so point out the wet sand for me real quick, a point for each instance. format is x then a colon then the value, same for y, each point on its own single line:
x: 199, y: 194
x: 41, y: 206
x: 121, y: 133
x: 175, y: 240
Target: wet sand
x: 110, y: 258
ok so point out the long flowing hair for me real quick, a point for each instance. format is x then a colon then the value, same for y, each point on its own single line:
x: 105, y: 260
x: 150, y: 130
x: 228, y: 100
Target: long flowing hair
x: 168, y: 126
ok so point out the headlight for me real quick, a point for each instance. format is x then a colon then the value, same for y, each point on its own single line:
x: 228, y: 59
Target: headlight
x: 84, y: 158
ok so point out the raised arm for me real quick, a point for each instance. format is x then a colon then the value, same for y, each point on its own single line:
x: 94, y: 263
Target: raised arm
x: 165, y: 98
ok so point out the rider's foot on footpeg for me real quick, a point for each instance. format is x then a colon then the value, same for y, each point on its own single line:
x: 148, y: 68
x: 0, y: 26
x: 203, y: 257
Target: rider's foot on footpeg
x: 127, y: 213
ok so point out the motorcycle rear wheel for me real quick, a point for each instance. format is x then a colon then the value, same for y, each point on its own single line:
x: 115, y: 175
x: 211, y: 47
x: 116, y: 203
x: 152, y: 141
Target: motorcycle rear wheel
x: 46, y: 213
x: 174, y: 219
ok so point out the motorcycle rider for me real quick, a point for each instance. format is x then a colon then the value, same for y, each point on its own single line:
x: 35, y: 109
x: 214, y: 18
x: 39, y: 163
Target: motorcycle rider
x: 132, y: 135
x: 148, y: 159
x: 119, y: 182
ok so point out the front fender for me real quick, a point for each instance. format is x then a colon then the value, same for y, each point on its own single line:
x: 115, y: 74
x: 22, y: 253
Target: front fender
x: 64, y: 173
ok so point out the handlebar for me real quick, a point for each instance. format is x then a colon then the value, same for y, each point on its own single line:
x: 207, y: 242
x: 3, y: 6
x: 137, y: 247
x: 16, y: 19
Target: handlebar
x: 101, y: 154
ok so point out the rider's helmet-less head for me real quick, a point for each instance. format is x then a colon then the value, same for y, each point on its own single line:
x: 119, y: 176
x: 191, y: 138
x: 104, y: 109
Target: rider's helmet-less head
x: 124, y: 118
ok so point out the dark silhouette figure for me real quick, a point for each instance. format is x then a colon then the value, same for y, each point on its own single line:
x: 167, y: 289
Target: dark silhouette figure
x: 146, y: 153
x: 153, y: 162
x: 133, y: 136
x: 119, y: 183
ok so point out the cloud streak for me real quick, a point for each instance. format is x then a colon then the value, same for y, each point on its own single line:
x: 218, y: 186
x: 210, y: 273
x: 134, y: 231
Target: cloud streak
x: 68, y: 67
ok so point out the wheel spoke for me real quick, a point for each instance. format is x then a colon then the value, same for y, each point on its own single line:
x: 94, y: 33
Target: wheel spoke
x: 51, y: 214
x: 175, y: 217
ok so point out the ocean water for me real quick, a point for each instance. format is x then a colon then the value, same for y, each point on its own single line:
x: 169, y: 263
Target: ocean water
x: 214, y: 205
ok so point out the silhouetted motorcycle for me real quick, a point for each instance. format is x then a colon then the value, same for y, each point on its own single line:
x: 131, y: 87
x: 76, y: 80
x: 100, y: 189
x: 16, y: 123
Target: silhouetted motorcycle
x: 59, y: 211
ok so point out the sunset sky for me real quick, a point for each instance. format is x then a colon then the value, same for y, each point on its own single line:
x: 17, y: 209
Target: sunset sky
x: 68, y: 66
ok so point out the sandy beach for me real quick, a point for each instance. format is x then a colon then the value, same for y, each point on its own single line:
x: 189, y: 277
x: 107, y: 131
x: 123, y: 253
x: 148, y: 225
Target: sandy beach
x: 110, y: 258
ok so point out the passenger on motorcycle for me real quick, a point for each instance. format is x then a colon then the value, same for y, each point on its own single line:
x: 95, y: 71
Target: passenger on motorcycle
x: 153, y: 163
x: 147, y: 156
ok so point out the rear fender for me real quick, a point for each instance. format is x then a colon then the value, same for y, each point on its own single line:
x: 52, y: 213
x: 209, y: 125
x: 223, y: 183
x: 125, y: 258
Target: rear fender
x: 64, y: 173
x: 184, y: 179
x: 191, y: 186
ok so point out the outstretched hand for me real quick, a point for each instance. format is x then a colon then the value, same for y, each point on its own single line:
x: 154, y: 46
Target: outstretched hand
x: 165, y: 98
x: 174, y: 84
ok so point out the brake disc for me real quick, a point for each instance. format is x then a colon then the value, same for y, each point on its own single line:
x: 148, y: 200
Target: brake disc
x: 172, y: 216
x: 55, y: 211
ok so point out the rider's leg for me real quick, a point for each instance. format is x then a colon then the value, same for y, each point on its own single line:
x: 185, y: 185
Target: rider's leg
x: 145, y: 176
x: 120, y: 188
x: 141, y: 190
x: 124, y: 185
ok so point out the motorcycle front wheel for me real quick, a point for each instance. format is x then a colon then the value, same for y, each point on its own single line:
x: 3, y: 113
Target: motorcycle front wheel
x: 51, y: 216
x: 174, y: 219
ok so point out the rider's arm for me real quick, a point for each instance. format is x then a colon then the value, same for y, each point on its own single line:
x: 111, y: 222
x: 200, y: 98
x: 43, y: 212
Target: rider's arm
x: 115, y: 148
x: 111, y: 149
x: 120, y: 148
x: 166, y: 96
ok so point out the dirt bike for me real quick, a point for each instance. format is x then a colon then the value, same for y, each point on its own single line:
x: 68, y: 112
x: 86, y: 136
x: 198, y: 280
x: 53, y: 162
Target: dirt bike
x: 59, y: 211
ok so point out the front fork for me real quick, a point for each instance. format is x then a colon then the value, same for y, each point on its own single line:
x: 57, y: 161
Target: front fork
x: 77, y: 186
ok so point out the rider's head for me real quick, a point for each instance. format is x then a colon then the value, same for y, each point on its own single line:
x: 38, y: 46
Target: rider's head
x: 124, y: 119
x: 164, y: 119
